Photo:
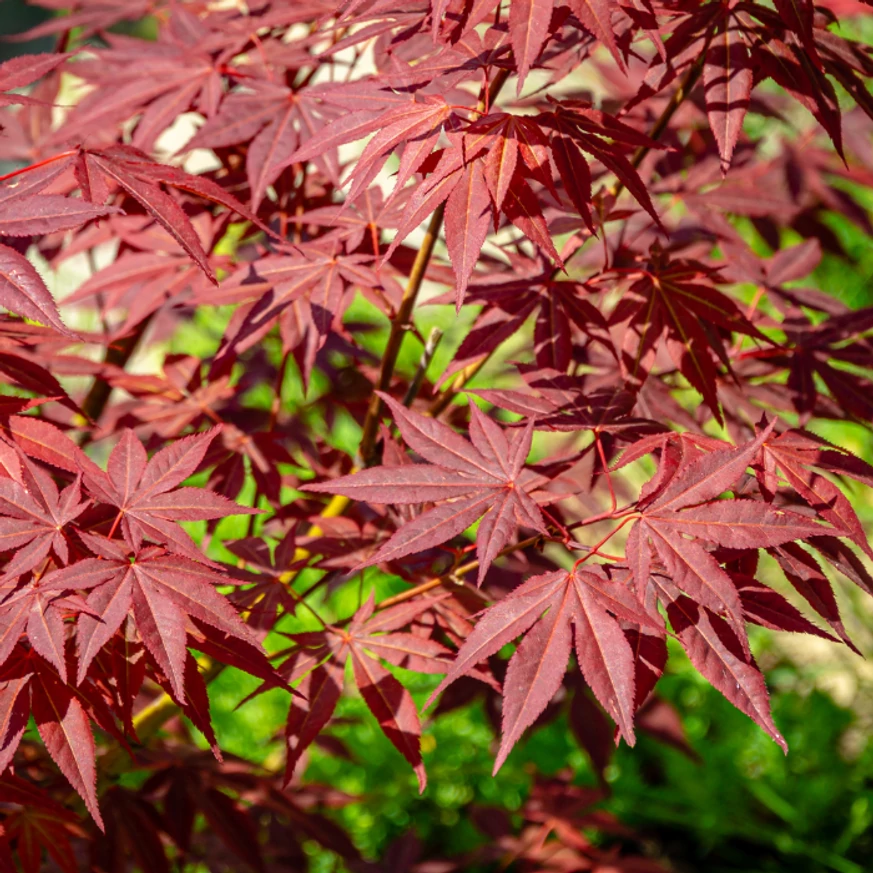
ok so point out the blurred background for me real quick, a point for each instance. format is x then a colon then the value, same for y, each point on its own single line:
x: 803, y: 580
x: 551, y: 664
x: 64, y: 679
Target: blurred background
x: 16, y: 17
x: 709, y: 792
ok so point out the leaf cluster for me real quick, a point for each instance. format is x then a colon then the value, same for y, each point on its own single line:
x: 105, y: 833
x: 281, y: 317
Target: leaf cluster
x: 621, y: 201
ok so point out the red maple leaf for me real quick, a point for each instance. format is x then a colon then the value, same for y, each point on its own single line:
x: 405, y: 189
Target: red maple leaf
x: 584, y: 600
x: 162, y: 591
x: 483, y: 477
x: 147, y: 495
x: 366, y: 640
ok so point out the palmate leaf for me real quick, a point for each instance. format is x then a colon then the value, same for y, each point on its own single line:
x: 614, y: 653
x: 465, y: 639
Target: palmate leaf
x: 563, y: 310
x: 147, y: 495
x: 38, y: 821
x: 498, y: 154
x: 794, y: 454
x: 141, y: 178
x: 678, y: 304
x: 154, y: 80
x: 529, y: 24
x: 684, y: 515
x: 593, y: 606
x: 96, y: 619
x: 161, y: 591
x: 308, y: 287
x: 269, y: 118
x: 63, y: 716
x: 482, y: 477
x: 366, y: 641
x: 718, y: 655
x: 33, y: 514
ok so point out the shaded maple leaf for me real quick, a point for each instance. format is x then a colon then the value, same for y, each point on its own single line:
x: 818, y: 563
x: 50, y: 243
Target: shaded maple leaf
x: 33, y: 818
x: 29, y: 685
x: 563, y: 310
x: 529, y: 24
x: 144, y: 279
x: 268, y: 598
x: 90, y: 17
x: 812, y: 352
x: 270, y: 118
x: 307, y: 288
x: 368, y: 639
x: 141, y: 178
x: 728, y: 76
x: 171, y: 402
x: 482, y: 477
x: 156, y: 80
x: 783, y: 44
x: 677, y: 302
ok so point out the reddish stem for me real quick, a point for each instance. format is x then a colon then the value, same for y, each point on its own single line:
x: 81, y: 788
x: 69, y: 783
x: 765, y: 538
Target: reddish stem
x: 115, y: 524
x: 603, y: 461
x: 39, y: 164
x: 596, y: 549
x: 602, y: 516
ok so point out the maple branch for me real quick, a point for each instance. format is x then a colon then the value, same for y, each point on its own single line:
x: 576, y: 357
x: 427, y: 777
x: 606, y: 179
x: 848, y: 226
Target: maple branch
x: 454, y: 576
x: 399, y: 326
x: 424, y: 362
x: 458, y: 383
x: 117, y: 354
x: 407, y: 303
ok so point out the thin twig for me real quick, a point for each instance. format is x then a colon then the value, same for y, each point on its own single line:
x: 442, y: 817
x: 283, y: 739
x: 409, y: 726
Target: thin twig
x: 453, y: 575
x: 400, y: 323
x: 602, y: 455
x: 424, y: 362
x: 399, y: 327
x: 118, y: 354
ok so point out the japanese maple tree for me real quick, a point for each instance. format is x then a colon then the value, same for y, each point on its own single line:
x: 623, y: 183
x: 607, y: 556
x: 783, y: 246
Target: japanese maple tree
x: 236, y: 444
